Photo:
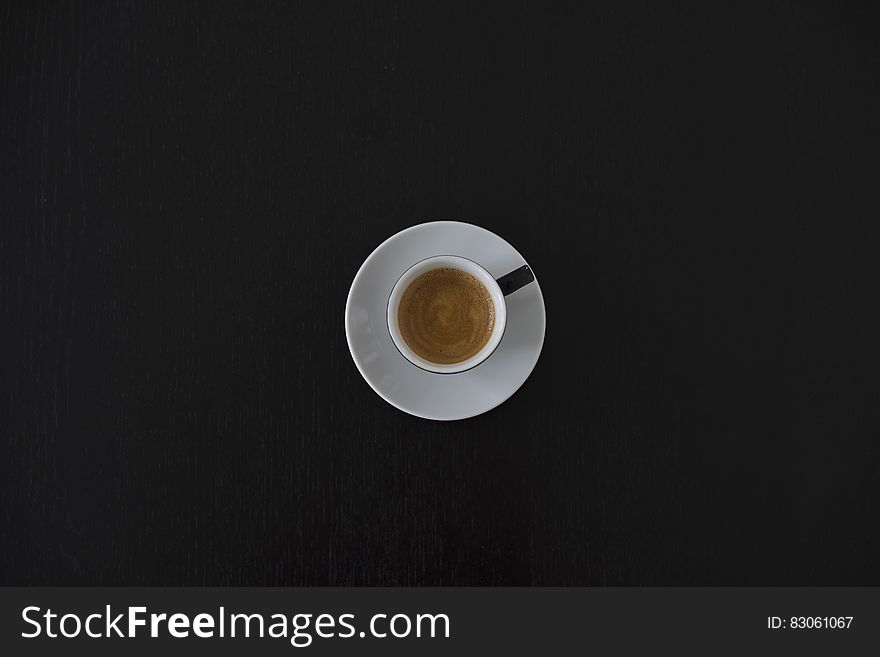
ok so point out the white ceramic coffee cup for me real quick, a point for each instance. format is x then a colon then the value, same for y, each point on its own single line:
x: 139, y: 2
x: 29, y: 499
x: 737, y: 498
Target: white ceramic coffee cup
x: 497, y: 290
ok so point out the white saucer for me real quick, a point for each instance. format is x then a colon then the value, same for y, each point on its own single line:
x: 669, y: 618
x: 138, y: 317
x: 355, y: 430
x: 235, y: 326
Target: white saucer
x: 409, y: 388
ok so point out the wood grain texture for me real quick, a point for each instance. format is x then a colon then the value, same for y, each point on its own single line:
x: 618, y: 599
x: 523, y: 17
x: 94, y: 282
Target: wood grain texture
x: 188, y: 189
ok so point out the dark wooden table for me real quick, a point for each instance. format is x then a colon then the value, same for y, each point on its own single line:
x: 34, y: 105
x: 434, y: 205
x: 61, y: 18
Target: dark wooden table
x: 188, y: 189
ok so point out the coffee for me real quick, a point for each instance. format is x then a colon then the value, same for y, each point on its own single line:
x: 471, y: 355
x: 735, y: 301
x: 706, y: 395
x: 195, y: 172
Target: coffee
x: 446, y: 316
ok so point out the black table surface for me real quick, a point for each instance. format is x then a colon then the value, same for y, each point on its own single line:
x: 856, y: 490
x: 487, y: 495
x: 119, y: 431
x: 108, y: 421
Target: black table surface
x: 187, y: 190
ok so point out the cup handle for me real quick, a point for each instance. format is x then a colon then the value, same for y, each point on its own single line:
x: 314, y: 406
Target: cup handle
x: 511, y: 282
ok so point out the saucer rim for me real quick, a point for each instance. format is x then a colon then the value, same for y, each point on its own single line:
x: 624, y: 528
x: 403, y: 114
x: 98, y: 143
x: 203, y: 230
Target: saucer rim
x: 348, y: 329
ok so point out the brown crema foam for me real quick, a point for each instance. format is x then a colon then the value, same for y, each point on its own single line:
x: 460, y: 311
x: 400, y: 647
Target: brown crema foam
x: 446, y: 316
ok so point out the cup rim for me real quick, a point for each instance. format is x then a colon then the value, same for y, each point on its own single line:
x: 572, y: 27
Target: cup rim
x: 474, y: 361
